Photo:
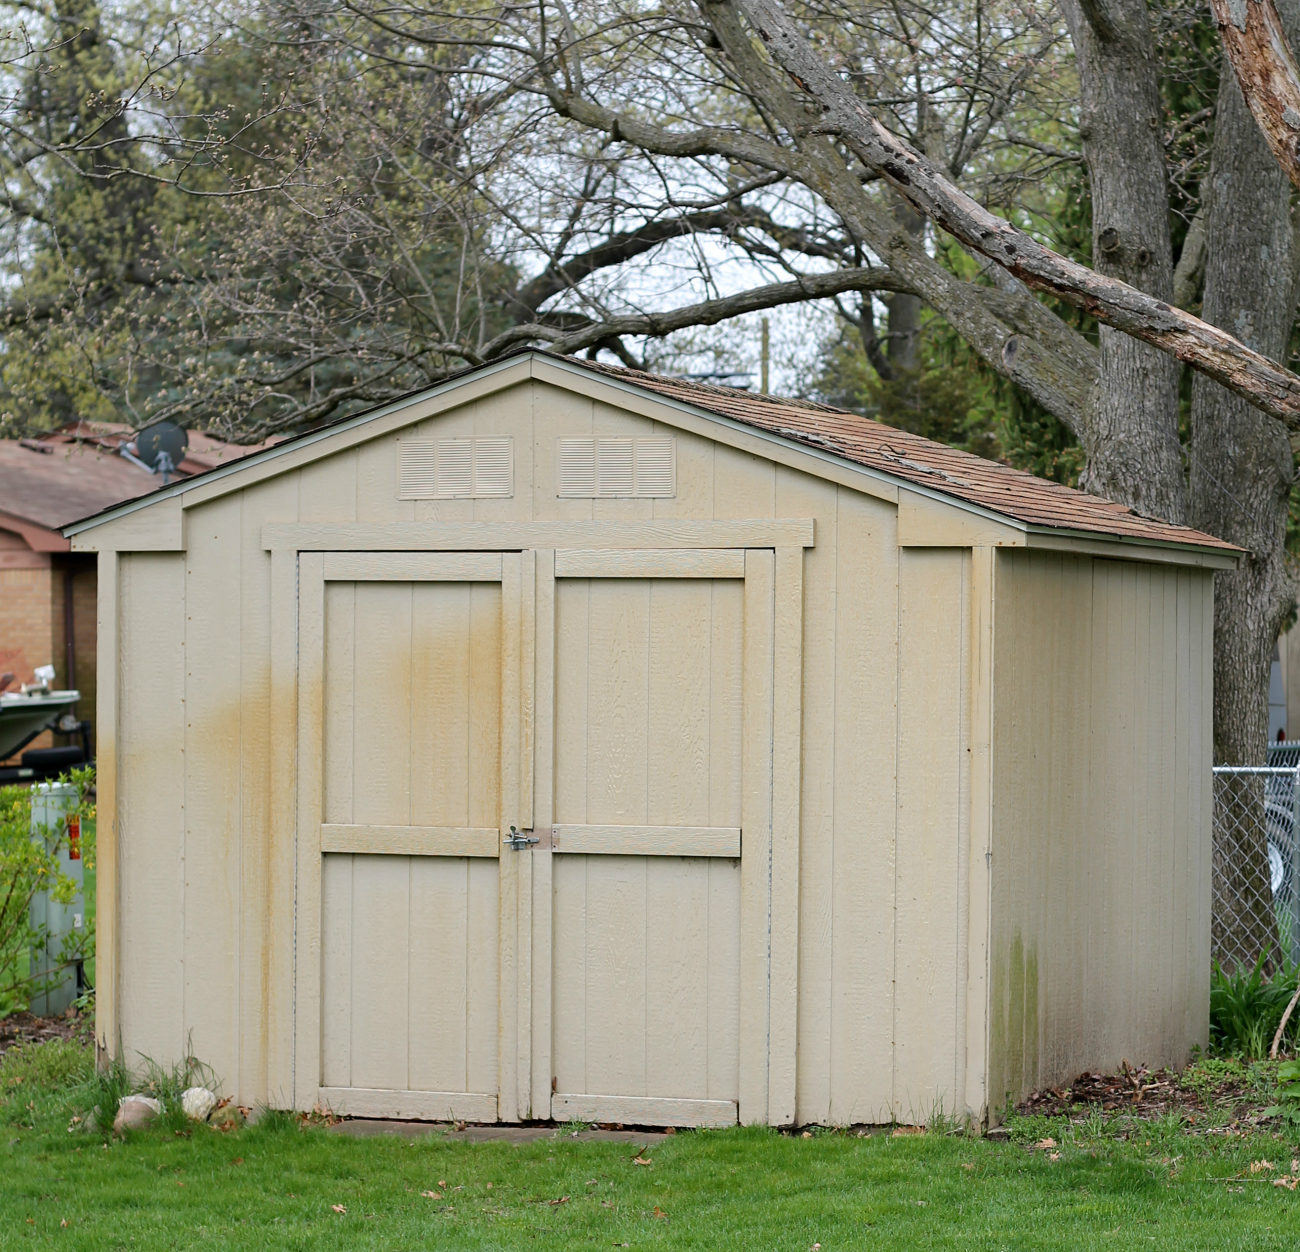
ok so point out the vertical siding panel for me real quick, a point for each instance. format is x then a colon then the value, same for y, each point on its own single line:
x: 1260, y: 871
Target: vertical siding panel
x: 865, y: 770
x: 336, y: 971
x: 376, y: 499
x: 556, y: 414
x: 263, y: 902
x: 151, y: 807
x: 930, y: 742
x: 212, y: 778
x: 799, y: 495
x: 694, y: 497
x: 510, y: 413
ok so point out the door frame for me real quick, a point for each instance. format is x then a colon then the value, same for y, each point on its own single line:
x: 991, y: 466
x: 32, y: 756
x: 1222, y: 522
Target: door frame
x: 528, y: 552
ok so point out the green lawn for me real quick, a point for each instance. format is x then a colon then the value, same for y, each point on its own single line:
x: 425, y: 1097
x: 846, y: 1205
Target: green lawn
x: 276, y: 1186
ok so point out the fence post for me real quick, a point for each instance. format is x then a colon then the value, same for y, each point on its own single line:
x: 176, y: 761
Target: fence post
x: 54, y: 805
x: 1295, y: 867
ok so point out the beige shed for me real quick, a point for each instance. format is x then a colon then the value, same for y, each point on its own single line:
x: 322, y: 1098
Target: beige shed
x: 568, y: 742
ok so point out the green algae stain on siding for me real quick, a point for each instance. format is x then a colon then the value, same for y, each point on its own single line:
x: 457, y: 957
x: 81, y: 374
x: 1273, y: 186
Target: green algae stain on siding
x: 1013, y: 1060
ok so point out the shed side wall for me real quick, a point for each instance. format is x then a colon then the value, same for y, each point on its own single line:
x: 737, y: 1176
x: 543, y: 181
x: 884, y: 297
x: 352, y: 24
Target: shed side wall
x: 1101, y: 818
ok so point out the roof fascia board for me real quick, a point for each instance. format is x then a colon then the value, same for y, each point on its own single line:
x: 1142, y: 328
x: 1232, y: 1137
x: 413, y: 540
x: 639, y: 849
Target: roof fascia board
x: 704, y: 422
x: 345, y: 434
x: 1127, y: 548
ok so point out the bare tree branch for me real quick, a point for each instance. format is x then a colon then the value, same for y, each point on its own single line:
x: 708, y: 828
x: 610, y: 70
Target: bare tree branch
x: 1265, y: 384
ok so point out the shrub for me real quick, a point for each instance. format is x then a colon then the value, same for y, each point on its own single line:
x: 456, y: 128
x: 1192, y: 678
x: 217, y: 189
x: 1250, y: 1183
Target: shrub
x: 1246, y: 1007
x: 27, y: 866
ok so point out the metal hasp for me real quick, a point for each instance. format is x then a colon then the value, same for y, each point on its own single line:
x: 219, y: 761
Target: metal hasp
x: 54, y: 819
x: 519, y: 839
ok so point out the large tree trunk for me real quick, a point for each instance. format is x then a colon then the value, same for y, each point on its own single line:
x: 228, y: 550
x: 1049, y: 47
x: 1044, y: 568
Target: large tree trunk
x: 1131, y: 439
x: 1241, y: 474
x: 905, y: 309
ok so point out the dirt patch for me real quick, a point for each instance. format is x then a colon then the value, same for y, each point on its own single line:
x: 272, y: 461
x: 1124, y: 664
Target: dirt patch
x: 24, y: 1028
x: 1224, y: 1092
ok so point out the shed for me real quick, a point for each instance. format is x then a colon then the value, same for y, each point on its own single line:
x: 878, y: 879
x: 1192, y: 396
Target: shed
x: 569, y: 742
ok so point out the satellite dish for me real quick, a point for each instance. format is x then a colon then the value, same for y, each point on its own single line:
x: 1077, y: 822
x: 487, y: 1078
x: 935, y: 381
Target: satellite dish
x: 161, y: 447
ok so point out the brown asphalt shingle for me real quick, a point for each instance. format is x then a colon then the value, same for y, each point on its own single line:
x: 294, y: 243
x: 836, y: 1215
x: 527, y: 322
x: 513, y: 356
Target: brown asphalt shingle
x: 989, y: 484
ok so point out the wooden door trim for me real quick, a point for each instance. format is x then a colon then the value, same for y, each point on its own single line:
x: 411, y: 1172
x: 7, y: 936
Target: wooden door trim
x: 507, y: 536
x: 483, y: 841
x: 431, y: 1106
x: 770, y: 817
x: 578, y: 840
x: 642, y: 1110
x: 311, y: 833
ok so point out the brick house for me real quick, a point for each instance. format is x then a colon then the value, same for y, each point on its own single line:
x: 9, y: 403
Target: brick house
x: 47, y: 592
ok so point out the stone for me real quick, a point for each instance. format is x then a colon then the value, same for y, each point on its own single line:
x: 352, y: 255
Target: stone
x: 198, y: 1102
x: 226, y: 1117
x: 135, y: 1112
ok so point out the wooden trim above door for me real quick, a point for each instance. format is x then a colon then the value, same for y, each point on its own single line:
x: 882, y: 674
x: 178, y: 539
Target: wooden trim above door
x: 370, y: 567
x: 505, y: 536
x: 650, y: 563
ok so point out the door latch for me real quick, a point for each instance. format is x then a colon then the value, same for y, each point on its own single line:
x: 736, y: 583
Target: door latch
x: 519, y: 839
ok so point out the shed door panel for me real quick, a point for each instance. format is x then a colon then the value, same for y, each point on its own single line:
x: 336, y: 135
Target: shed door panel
x: 646, y: 948
x: 412, y: 759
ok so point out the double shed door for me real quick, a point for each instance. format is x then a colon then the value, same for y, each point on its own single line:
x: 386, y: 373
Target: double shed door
x: 611, y: 963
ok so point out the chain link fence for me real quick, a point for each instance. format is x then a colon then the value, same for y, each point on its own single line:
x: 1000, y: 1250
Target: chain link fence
x: 1256, y: 907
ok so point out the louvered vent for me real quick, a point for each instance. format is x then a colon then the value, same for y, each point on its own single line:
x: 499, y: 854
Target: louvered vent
x: 611, y: 467
x: 456, y: 469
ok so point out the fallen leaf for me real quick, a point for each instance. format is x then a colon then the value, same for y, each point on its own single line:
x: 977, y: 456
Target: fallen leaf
x: 1053, y: 1156
x: 441, y: 1183
x: 432, y: 1195
x: 338, y: 1208
x: 564, y: 1199
x: 64, y: 1222
x: 816, y: 1247
x: 967, y: 1165
x: 489, y: 1186
x: 659, y: 1212
x: 1045, y: 1143
x: 1287, y: 1181
x: 1295, y: 1165
x: 642, y: 1160
x: 908, y: 1130
x: 807, y: 1134
x: 239, y: 1160
x: 31, y: 1221
x: 1258, y: 1167
x: 591, y: 1182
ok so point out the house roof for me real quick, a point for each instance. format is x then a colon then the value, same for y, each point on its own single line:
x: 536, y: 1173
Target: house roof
x: 935, y: 468
x: 60, y: 476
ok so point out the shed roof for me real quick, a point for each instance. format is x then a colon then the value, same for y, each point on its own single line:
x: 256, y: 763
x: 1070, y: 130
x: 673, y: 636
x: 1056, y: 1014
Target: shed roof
x: 966, y: 479
x: 977, y: 480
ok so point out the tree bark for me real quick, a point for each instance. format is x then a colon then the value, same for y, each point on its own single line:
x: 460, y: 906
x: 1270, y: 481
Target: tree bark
x: 1131, y: 438
x: 1274, y: 389
x: 904, y: 308
x: 1241, y: 475
x: 1257, y: 37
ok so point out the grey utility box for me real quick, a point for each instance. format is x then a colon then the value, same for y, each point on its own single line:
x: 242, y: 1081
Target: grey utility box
x: 52, y: 806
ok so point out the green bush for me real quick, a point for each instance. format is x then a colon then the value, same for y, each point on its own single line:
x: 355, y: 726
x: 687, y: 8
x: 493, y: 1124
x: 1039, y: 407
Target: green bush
x: 27, y: 867
x: 1246, y: 1007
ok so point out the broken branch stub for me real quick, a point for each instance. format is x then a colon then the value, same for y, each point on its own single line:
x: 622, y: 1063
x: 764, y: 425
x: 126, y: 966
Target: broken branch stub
x: 1252, y: 36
